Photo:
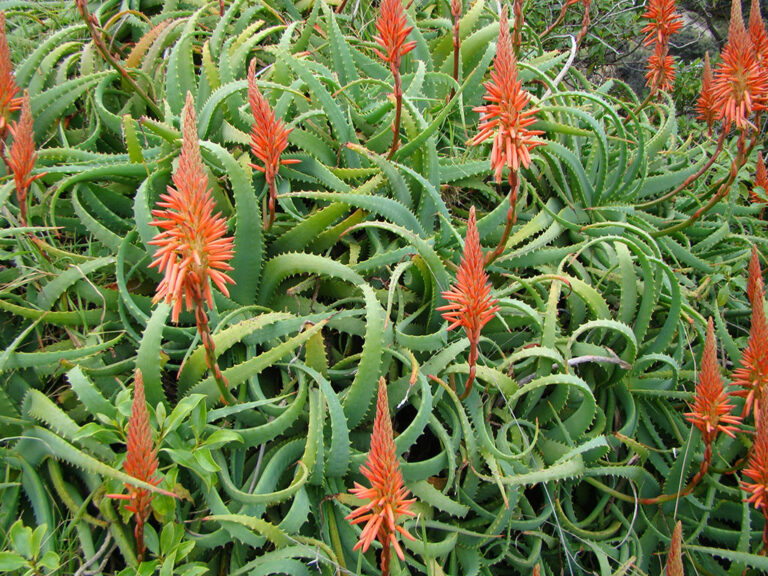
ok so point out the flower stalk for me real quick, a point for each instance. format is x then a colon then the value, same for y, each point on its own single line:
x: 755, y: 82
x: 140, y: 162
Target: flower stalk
x: 193, y: 249
x: 392, y: 27
x: 471, y: 304
x: 22, y: 156
x: 387, y: 498
x: 711, y: 413
x: 141, y: 463
x: 269, y: 139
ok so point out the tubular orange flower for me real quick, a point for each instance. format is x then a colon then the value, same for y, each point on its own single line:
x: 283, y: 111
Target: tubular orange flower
x: 675, y: 557
x: 661, y: 70
x: 757, y: 467
x: 504, y: 116
x: 740, y: 86
x: 663, y: 21
x: 471, y: 304
x: 393, y: 29
x: 192, y: 246
x: 269, y: 139
x: 22, y: 156
x: 761, y: 179
x: 140, y: 462
x: 705, y: 105
x: 752, y: 376
x: 711, y: 409
x: 387, y: 497
x: 759, y: 36
x: 8, y: 87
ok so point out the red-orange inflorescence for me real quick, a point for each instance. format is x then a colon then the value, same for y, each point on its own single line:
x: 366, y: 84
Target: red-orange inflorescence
x: 471, y: 304
x: 269, y: 139
x: 192, y: 245
x: 752, y: 376
x: 711, y: 409
x: 675, y: 556
x: 387, y: 498
x: 706, y: 106
x: 505, y: 117
x: 22, y: 156
x: 663, y: 21
x: 740, y: 86
x: 140, y: 462
x: 392, y: 27
x: 9, y: 102
x: 661, y: 70
x: 761, y: 179
x: 757, y: 467
x: 759, y: 36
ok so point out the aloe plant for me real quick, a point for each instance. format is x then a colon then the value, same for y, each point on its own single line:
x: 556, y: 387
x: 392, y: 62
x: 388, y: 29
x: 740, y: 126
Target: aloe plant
x: 628, y: 235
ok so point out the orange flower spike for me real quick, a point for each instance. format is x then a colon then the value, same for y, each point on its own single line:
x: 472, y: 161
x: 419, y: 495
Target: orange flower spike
x: 140, y: 462
x: 752, y: 376
x: 192, y: 244
x: 392, y: 27
x: 711, y: 409
x: 22, y: 156
x: 740, y: 85
x: 663, y: 21
x: 387, y: 497
x: 675, y: 557
x: 8, y: 87
x: 269, y: 139
x: 705, y: 105
x: 761, y: 179
x: 471, y: 304
x: 759, y: 36
x: 757, y: 467
x: 504, y: 117
x: 661, y: 70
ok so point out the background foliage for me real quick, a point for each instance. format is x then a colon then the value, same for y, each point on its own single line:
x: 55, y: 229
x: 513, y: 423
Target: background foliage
x: 584, y: 373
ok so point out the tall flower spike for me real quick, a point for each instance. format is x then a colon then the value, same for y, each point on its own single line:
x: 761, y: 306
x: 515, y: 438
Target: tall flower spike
x: 8, y: 87
x: 759, y: 36
x: 505, y: 117
x: 757, y: 467
x: 752, y: 376
x: 761, y: 179
x: 269, y: 139
x: 661, y: 70
x: 711, y: 409
x: 192, y: 245
x: 22, y: 156
x: 140, y: 462
x: 740, y: 85
x: 663, y: 21
x: 392, y: 27
x: 387, y: 497
x: 675, y: 557
x: 471, y: 304
x: 705, y: 105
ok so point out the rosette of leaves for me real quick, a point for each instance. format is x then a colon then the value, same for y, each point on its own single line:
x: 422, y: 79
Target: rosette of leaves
x: 582, y: 376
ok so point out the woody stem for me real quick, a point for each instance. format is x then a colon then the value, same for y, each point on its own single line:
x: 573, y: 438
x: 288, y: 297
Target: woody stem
x: 472, y: 367
x: 101, y: 46
x: 398, y: 92
x: 456, y: 48
x: 269, y: 217
x: 705, y: 462
x: 386, y: 556
x: 691, y: 178
x: 514, y: 182
x: 204, y: 329
x: 738, y: 162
